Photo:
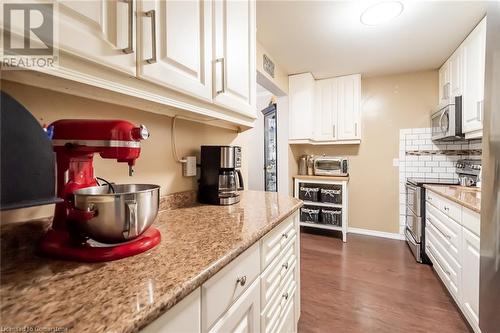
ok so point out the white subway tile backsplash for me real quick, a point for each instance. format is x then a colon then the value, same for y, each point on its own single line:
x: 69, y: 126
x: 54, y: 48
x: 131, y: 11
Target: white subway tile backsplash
x: 419, y: 130
x: 446, y: 164
x: 431, y: 162
x: 411, y: 137
x: 446, y: 175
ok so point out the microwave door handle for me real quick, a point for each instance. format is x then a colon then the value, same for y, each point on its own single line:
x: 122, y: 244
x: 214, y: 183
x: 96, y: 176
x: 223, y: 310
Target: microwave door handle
x: 441, y: 122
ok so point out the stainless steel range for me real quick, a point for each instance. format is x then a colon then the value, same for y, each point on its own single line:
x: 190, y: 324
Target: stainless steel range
x: 467, y: 171
x: 415, y: 214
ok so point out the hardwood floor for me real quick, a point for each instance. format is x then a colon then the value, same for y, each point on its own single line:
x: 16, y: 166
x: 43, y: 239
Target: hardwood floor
x: 371, y: 285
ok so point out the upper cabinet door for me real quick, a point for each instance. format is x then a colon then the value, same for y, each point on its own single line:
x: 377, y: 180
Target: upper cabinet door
x: 301, y: 88
x: 176, y: 45
x: 456, y: 76
x: 474, y: 64
x: 444, y: 84
x: 234, y: 55
x: 326, y: 111
x: 100, y: 31
x: 348, y: 107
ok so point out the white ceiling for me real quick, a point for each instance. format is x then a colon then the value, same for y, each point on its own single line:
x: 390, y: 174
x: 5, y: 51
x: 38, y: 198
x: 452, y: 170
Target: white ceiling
x: 327, y: 38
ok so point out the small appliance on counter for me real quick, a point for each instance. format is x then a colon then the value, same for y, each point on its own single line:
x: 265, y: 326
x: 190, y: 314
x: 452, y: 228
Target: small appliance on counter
x: 469, y: 172
x: 330, y: 166
x: 446, y: 123
x: 27, y: 159
x: 99, y: 223
x: 220, y: 178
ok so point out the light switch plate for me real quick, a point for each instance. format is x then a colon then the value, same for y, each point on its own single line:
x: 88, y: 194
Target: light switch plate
x: 189, y: 167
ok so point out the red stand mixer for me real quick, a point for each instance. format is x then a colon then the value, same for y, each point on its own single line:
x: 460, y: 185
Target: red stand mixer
x: 75, y: 141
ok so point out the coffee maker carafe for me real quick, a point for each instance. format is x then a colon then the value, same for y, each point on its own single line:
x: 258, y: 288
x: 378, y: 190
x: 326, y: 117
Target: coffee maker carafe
x: 220, y: 178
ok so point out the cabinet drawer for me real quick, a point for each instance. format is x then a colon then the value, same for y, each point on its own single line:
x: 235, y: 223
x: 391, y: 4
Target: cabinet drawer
x: 448, y: 230
x: 447, y: 207
x: 272, y: 276
x: 448, y: 265
x: 219, y: 292
x: 471, y: 220
x: 275, y: 241
x: 272, y: 314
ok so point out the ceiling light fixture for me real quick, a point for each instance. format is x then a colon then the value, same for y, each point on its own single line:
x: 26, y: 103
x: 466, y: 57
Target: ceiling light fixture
x: 381, y: 12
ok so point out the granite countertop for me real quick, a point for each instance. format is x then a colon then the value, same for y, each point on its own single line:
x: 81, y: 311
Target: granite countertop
x: 469, y: 197
x: 126, y: 295
x: 339, y: 178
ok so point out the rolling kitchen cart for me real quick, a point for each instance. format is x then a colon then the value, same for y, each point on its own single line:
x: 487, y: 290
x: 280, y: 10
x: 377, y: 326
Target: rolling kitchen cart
x: 325, y: 202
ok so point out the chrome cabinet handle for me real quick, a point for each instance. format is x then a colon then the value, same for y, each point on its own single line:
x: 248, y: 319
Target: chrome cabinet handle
x: 223, y: 63
x: 285, y: 295
x: 242, y: 280
x: 333, y: 131
x: 285, y: 265
x: 355, y: 129
x: 130, y: 48
x: 152, y: 14
x: 284, y: 235
x: 446, y: 208
x: 479, y: 110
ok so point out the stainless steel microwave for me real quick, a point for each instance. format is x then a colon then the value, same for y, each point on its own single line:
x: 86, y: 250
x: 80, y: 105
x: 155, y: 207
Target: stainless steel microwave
x: 330, y: 166
x: 446, y: 123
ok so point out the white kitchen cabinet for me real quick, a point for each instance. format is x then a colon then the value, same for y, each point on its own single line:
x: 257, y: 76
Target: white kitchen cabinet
x: 234, y: 83
x: 301, y: 106
x: 474, y: 48
x: 470, y: 277
x: 456, y: 65
x: 244, y: 315
x: 348, y: 103
x: 330, y: 106
x: 176, y: 45
x: 248, y: 294
x: 100, y: 31
x: 453, y: 246
x: 184, y: 317
x: 190, y: 58
x: 444, y: 84
x: 326, y: 109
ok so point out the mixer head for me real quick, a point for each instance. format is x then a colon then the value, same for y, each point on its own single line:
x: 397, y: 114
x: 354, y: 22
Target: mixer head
x: 112, y: 139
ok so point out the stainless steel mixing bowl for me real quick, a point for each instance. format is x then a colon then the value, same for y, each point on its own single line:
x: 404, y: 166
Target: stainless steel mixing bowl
x: 117, y: 216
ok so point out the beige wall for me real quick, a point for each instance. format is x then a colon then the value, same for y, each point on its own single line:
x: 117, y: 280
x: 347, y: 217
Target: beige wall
x: 156, y: 164
x: 389, y: 103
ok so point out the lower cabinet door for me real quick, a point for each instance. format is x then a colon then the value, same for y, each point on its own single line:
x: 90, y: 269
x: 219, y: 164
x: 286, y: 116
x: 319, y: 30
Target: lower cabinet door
x: 244, y: 315
x: 288, y: 321
x: 470, y: 277
x: 184, y: 317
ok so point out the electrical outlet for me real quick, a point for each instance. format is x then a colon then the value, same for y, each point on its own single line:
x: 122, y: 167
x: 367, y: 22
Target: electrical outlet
x: 189, y: 167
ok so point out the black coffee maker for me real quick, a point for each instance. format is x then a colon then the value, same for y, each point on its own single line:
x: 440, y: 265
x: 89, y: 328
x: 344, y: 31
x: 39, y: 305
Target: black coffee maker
x: 220, y: 178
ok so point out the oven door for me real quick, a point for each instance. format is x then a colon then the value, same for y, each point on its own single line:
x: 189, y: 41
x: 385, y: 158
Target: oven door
x: 413, y: 214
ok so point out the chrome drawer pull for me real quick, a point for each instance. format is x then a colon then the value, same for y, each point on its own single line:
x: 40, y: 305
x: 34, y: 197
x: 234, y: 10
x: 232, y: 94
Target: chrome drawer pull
x: 284, y: 235
x: 242, y: 280
x: 285, y: 295
x: 285, y: 266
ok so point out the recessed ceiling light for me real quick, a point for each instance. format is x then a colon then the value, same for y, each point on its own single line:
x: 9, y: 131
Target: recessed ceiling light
x: 381, y: 12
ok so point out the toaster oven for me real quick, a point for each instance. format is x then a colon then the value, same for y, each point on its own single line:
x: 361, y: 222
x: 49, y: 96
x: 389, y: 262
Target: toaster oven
x: 330, y: 166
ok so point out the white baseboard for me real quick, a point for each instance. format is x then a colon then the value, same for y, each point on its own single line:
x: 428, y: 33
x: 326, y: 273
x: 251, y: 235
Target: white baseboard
x: 375, y: 233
